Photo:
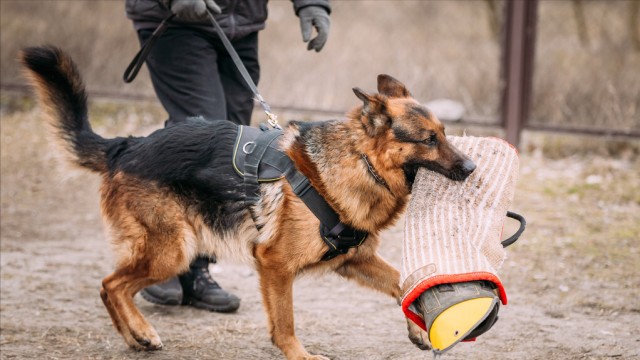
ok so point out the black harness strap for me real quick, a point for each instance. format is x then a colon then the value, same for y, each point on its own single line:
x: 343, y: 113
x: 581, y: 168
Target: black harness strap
x: 255, y: 155
x: 337, y: 235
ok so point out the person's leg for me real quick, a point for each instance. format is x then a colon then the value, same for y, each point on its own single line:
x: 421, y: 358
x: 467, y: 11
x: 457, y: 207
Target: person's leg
x: 202, y: 291
x: 239, y: 97
x: 185, y: 76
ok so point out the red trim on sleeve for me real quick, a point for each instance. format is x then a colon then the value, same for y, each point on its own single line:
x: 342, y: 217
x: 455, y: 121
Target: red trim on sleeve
x: 447, y: 279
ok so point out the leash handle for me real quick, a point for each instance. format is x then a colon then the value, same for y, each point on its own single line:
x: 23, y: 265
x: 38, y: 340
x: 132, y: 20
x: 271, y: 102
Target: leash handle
x: 134, y: 67
x: 513, y: 238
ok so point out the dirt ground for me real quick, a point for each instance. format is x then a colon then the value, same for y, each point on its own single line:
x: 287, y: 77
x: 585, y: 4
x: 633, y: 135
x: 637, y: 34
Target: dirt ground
x: 573, y: 280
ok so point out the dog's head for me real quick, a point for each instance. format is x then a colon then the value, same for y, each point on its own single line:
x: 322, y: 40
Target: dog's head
x: 409, y: 133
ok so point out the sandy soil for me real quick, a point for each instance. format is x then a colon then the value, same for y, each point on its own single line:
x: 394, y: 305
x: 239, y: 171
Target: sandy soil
x: 573, y: 280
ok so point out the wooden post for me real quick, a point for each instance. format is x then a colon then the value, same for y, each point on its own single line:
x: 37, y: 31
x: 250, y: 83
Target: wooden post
x: 518, y: 56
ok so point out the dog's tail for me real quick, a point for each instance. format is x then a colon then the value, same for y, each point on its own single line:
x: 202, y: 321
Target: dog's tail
x: 62, y: 94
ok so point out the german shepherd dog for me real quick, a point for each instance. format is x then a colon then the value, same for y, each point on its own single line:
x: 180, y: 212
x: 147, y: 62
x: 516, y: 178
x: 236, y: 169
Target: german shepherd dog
x: 173, y: 195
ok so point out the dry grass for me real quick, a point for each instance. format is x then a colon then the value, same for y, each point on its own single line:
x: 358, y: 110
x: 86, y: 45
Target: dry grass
x: 441, y: 49
x: 587, y: 78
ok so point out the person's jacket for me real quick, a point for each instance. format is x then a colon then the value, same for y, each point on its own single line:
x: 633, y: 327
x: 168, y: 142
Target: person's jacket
x: 238, y: 18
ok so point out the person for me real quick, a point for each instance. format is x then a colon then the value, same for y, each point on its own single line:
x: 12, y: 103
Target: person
x: 194, y: 76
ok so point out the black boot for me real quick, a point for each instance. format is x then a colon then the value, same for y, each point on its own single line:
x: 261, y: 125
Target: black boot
x: 166, y: 293
x: 201, y: 291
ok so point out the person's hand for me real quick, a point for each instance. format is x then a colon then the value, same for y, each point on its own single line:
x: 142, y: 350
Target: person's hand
x: 318, y: 17
x: 193, y: 10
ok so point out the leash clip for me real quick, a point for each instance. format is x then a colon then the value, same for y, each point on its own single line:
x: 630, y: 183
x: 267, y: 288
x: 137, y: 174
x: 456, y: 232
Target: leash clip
x: 272, y: 119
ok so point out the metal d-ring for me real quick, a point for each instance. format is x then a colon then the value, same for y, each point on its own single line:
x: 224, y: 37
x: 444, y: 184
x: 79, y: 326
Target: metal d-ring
x: 248, y: 150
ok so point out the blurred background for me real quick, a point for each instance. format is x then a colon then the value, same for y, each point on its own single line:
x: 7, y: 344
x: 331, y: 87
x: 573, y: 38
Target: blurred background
x: 573, y: 279
x: 587, y: 55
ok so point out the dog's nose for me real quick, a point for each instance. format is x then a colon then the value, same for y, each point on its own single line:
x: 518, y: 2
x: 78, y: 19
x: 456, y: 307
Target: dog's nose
x: 468, y: 166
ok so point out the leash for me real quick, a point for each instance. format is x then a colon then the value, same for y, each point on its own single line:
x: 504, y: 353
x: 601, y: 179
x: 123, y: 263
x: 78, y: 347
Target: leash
x: 134, y: 67
x: 271, y: 117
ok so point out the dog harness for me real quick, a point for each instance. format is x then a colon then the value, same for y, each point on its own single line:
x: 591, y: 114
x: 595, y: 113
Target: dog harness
x: 257, y: 159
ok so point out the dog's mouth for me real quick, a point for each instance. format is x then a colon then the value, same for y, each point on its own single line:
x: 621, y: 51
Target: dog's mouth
x: 459, y: 172
x: 410, y: 172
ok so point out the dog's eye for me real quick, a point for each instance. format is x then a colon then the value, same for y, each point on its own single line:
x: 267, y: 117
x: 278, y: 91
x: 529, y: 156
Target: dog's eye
x: 432, y: 140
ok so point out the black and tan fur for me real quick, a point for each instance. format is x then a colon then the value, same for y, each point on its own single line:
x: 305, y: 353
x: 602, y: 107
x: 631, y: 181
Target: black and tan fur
x: 173, y: 195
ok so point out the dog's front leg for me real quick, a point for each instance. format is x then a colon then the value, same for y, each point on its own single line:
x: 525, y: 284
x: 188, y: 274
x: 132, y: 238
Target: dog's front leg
x: 418, y: 336
x: 373, y: 271
x: 276, y: 283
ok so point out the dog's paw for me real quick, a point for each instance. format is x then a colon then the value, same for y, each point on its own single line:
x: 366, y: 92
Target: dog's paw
x: 146, y: 345
x: 150, y: 342
x: 316, y: 357
x: 418, y: 336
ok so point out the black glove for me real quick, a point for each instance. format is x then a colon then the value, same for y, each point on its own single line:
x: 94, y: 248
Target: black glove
x: 192, y: 10
x: 319, y: 18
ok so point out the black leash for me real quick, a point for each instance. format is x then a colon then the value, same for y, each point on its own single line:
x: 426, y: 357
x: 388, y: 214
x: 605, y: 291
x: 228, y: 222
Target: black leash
x: 134, y: 67
x: 272, y: 118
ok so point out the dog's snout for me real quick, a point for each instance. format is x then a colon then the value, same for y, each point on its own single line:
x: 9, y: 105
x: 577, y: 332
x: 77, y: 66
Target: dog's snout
x: 468, y: 166
x: 463, y: 170
x: 461, y: 165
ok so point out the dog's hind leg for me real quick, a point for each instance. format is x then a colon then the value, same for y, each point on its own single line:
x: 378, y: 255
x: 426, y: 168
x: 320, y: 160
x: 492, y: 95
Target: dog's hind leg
x: 115, y: 318
x: 154, y: 257
x: 150, y: 237
x: 117, y: 294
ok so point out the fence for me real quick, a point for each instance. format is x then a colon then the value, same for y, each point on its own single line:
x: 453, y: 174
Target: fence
x: 604, y: 53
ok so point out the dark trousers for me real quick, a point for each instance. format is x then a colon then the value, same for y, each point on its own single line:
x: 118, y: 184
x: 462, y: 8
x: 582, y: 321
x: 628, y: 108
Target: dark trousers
x: 193, y: 75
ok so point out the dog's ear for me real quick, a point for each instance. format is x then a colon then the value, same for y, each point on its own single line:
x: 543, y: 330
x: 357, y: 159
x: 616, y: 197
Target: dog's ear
x: 367, y: 99
x: 374, y: 112
x: 391, y: 87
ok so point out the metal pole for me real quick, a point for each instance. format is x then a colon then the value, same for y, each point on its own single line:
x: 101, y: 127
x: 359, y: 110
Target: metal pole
x: 520, y: 28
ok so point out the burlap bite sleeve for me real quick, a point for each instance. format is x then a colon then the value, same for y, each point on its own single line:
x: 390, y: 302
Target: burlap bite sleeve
x: 453, y: 228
